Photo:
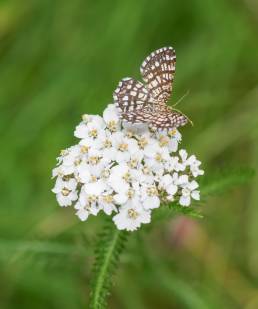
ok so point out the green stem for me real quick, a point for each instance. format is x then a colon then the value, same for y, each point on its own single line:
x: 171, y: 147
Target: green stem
x: 108, y: 251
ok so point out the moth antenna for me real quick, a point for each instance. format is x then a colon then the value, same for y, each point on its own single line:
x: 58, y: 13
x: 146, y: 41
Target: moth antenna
x: 185, y: 95
x: 177, y: 110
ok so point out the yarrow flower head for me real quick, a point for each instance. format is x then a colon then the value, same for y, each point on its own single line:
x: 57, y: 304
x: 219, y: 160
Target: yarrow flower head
x: 124, y: 170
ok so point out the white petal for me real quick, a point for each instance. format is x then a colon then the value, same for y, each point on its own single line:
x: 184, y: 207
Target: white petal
x: 83, y: 173
x: 151, y: 202
x: 193, y: 185
x: 81, y: 131
x: 119, y: 170
x: 183, y: 154
x: 185, y: 200
x: 171, y: 189
x: 182, y: 180
x: 108, y: 208
x: 196, y: 195
x: 173, y: 145
x: 94, y: 210
x: 191, y: 160
x: 166, y: 180
x: 120, y: 199
x: 73, y: 196
x: 95, y: 188
x: 111, y: 113
x: 67, y: 170
x: 71, y: 184
x: 63, y: 200
x: 145, y: 217
x: 82, y: 214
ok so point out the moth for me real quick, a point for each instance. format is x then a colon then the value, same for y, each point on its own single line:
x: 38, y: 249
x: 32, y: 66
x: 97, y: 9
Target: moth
x: 147, y: 103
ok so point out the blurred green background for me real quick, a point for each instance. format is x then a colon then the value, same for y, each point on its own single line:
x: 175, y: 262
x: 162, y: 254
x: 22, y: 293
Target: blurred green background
x: 60, y: 59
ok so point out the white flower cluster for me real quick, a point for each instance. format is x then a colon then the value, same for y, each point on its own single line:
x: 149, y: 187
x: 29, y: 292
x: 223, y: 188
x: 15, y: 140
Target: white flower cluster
x: 124, y: 170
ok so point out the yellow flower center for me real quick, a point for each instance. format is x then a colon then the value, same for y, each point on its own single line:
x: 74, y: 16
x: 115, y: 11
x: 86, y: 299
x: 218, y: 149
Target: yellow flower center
x: 130, y: 193
x: 107, y: 143
x: 163, y: 141
x: 127, y: 177
x: 132, y: 214
x: 142, y: 142
x: 93, y: 133
x: 129, y: 134
x: 84, y: 149
x: 123, y: 147
x: 158, y: 157
x: 105, y: 173
x: 94, y: 160
x: 133, y: 163
x: 93, y: 178
x: 112, y: 126
x: 146, y: 170
x: 77, y: 162
x: 65, y: 191
x: 108, y: 198
x: 152, y: 191
x: 92, y: 198
x: 172, y: 133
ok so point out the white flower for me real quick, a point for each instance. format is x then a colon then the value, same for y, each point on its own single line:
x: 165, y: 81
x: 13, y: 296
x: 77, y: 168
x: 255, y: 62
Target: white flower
x: 81, y: 131
x: 57, y: 171
x: 83, y: 173
x: 189, y: 191
x: 106, y: 203
x: 92, y: 129
x: 194, y: 167
x: 150, y: 196
x: 107, y: 147
x: 69, y: 159
x: 132, y: 193
x: 156, y: 157
x: 169, y: 139
x: 96, y: 162
x: 172, y: 164
x: 120, y: 177
x: 84, y: 210
x: 126, y: 169
x: 87, y: 205
x: 125, y: 147
x: 65, y: 191
x: 146, y: 174
x: 146, y: 143
x: 111, y: 117
x: 95, y: 188
x: 88, y: 143
x: 169, y: 183
x: 131, y: 216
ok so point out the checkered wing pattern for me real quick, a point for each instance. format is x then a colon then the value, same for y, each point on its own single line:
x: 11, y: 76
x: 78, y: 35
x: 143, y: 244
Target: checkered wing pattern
x: 138, y: 103
x: 158, y: 71
x: 158, y: 117
x: 131, y: 95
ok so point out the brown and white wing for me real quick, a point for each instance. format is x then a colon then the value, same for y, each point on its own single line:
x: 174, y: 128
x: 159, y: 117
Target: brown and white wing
x: 131, y: 95
x: 157, y: 117
x: 158, y: 71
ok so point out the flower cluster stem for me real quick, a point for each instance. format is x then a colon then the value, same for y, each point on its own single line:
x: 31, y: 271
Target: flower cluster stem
x: 109, y: 247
